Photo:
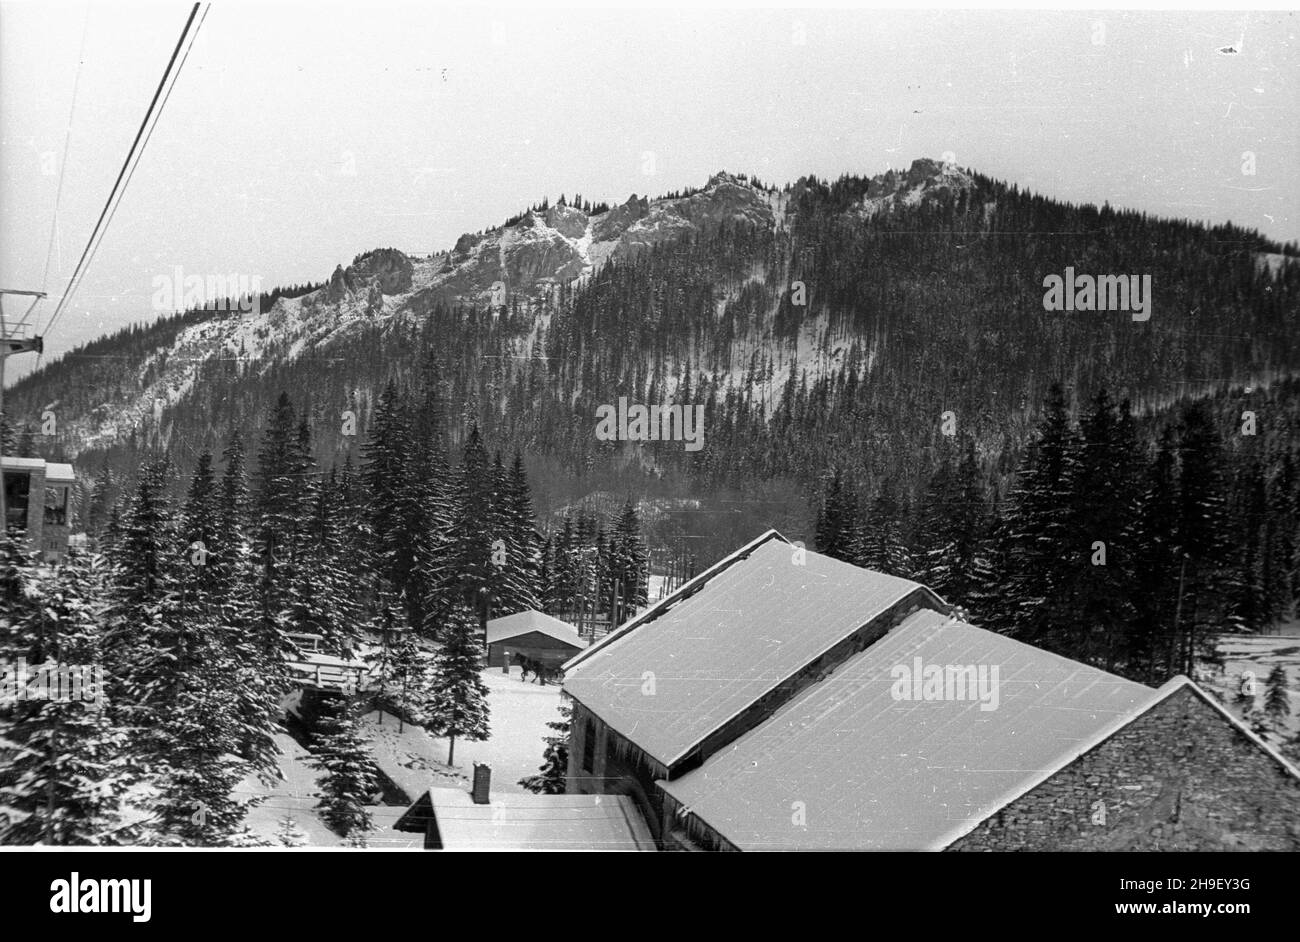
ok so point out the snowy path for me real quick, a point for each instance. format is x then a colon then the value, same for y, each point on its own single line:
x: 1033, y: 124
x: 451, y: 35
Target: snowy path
x: 295, y: 797
x: 413, y: 759
x: 519, y: 714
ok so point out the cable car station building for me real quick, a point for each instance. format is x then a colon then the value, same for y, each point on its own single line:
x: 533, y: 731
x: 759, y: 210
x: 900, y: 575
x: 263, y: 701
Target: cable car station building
x: 37, y: 504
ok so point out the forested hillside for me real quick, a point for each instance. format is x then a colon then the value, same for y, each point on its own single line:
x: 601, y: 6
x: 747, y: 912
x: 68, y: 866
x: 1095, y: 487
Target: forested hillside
x: 864, y: 328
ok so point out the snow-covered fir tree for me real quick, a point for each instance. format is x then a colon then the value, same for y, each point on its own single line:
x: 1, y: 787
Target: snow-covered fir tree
x: 67, y: 770
x: 409, y: 679
x: 351, y: 780
x: 1041, y: 549
x: 629, y: 564
x: 289, y: 834
x: 1277, y: 698
x: 458, y: 707
x: 551, y: 775
x: 470, y: 579
x: 837, y: 518
x: 877, y: 542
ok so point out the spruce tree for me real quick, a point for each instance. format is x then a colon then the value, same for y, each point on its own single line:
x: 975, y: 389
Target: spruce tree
x: 289, y: 834
x: 409, y: 680
x: 546, y: 577
x: 878, y: 543
x: 1042, y: 550
x: 953, y: 531
x: 513, y: 585
x: 199, y: 524
x: 1103, y: 515
x: 99, y: 504
x: 230, y: 555
x: 428, y: 500
x: 281, y: 506
x: 351, y: 779
x: 1282, y: 525
x: 629, y: 562
x: 1277, y: 699
x: 204, y: 734
x: 147, y: 632
x: 235, y: 605
x: 458, y: 707
x: 1158, y: 567
x: 553, y: 772
x: 68, y: 770
x: 1207, y: 583
x: 386, y: 480
x: 470, y: 577
x: 524, y: 542
x: 1247, y: 516
x: 837, y: 519
x: 323, y: 600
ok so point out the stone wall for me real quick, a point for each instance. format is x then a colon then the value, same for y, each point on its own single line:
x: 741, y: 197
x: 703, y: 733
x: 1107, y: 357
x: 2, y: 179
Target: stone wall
x: 1180, y: 777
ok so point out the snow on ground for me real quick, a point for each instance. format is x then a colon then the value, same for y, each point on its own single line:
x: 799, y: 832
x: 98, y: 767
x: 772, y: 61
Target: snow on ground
x: 383, y: 837
x: 656, y: 587
x: 1259, y: 654
x: 407, y: 757
x: 413, y: 759
x: 519, y: 714
x: 293, y: 796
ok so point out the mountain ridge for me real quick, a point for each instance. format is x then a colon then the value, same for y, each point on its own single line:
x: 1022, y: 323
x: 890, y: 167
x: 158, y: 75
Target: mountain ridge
x: 825, y: 324
x: 527, y: 260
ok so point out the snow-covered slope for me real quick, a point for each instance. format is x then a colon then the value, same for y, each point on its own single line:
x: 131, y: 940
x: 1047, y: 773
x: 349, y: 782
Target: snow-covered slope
x: 525, y: 261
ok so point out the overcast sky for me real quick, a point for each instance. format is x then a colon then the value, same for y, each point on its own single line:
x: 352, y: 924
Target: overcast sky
x: 301, y: 135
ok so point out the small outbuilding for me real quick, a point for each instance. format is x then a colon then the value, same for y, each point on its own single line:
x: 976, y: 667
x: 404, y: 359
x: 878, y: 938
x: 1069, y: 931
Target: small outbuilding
x: 480, y: 819
x: 533, y: 635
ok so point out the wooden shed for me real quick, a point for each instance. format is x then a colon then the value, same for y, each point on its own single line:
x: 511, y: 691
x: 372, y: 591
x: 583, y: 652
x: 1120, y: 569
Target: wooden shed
x: 531, y: 634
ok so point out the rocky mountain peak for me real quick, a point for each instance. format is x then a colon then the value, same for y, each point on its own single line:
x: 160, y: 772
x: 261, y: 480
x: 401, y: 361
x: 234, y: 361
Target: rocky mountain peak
x: 389, y: 267
x: 937, y: 172
x: 722, y: 177
x: 568, y: 221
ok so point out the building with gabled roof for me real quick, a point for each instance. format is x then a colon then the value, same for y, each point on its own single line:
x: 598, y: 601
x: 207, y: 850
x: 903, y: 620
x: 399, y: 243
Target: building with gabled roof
x: 665, y: 691
x: 935, y: 764
x: 785, y: 700
x: 534, y: 635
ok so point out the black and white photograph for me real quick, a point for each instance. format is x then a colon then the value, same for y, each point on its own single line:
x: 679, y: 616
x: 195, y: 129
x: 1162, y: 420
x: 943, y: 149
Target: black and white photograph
x: 649, y: 429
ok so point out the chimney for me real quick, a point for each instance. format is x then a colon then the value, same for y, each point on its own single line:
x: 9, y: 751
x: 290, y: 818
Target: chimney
x: 482, y: 784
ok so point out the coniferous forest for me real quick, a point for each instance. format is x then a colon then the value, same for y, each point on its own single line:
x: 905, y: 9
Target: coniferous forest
x: 197, y: 584
x: 886, y: 386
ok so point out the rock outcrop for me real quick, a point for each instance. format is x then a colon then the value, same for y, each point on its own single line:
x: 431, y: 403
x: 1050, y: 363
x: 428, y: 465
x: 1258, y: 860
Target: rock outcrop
x: 567, y: 221
x: 337, y: 290
x: 615, y: 222
x: 392, y: 268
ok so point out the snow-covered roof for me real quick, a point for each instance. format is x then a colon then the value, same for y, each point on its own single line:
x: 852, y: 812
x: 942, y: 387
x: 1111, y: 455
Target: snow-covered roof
x: 59, y: 473
x: 55, y: 472
x: 687, y: 666
x: 874, y: 772
x: 683, y: 591
x: 15, y: 463
x: 521, y: 623
x: 530, y: 822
